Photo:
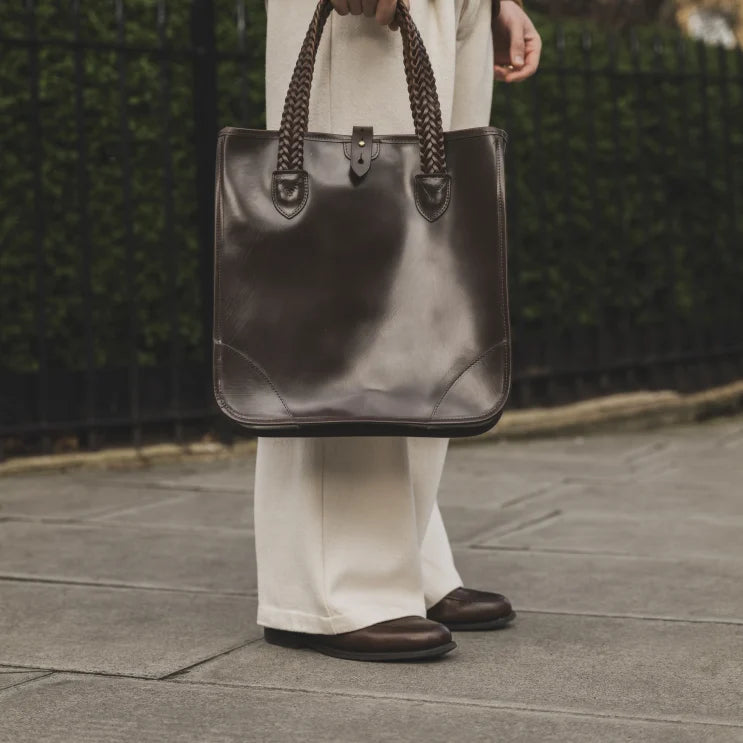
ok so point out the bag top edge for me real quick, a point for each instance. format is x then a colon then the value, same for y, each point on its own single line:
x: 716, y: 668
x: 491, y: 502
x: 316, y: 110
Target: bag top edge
x: 482, y: 131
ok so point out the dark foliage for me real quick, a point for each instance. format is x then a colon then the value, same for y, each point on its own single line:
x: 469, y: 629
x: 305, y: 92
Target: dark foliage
x: 626, y: 182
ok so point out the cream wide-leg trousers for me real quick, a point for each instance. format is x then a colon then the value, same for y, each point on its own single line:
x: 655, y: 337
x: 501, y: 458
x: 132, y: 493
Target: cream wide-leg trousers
x: 347, y: 530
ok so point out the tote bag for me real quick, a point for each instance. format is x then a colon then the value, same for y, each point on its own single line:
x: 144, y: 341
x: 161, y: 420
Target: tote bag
x: 360, y: 277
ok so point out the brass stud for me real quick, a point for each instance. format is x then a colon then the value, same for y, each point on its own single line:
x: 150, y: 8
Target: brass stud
x: 361, y: 143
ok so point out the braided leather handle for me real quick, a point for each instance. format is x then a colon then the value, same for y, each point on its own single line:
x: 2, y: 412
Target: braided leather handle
x: 424, y: 100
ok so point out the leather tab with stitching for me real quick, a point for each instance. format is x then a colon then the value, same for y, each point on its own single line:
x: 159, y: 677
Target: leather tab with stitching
x: 432, y: 194
x: 289, y: 191
x: 362, y: 143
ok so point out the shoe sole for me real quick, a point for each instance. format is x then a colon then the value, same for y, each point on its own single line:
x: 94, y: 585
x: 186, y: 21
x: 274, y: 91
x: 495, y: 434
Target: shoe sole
x: 290, y: 640
x: 499, y: 623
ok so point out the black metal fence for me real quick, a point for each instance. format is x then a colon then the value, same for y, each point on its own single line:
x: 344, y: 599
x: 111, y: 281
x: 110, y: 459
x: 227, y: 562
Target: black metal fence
x: 625, y: 185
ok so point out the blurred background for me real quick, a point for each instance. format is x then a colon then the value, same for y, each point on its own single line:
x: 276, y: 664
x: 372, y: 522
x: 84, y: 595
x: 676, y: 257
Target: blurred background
x: 625, y: 191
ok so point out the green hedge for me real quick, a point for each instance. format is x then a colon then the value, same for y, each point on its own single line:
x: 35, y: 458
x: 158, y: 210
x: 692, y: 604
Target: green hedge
x: 624, y: 192
x: 64, y: 233
x: 628, y: 184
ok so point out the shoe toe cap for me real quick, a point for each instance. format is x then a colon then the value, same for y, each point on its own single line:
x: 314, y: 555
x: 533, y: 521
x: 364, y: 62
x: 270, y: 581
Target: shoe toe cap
x: 489, y: 606
x: 466, y: 605
x: 415, y: 632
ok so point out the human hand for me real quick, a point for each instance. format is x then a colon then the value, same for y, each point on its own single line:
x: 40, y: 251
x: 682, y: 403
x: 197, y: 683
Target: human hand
x: 382, y: 10
x: 516, y: 44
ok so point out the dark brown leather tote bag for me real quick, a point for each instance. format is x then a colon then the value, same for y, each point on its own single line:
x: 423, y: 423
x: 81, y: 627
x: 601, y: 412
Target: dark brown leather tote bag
x: 360, y: 282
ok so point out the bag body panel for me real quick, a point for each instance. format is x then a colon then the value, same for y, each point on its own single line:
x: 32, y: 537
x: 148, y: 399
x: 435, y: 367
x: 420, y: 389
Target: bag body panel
x: 319, y: 318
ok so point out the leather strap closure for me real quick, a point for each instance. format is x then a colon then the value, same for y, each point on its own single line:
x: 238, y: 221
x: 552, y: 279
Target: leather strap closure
x: 362, y: 145
x: 374, y: 154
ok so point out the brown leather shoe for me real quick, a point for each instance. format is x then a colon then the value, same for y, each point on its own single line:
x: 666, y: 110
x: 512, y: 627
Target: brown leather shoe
x: 408, y: 638
x: 467, y: 609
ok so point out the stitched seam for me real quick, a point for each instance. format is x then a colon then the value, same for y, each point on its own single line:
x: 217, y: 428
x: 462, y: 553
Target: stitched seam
x: 463, y: 372
x: 309, y: 420
x: 503, y: 250
x: 500, y: 189
x: 435, y: 215
x: 274, y: 195
x: 391, y: 138
x: 218, y: 249
x: 260, y: 370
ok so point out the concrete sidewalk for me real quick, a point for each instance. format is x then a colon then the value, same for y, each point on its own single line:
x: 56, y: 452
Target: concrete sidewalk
x: 127, y: 604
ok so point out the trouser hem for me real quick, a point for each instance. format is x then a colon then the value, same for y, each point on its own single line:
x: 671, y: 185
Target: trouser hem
x: 433, y: 598
x: 314, y: 624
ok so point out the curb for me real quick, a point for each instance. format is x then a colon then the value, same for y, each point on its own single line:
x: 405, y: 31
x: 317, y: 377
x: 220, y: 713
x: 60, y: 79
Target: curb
x: 127, y: 457
x: 634, y: 411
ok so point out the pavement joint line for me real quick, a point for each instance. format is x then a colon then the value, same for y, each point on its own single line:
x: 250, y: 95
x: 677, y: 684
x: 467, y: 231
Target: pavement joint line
x: 651, y: 468
x: 534, y: 494
x: 170, y: 528
x: 84, y: 674
x: 692, y: 484
x: 639, y: 617
x: 187, y: 669
x: 464, y: 702
x: 24, y: 519
x: 477, y: 534
x: 76, y: 672
x: 505, y: 531
x: 22, y: 668
x: 682, y: 485
x: 601, y: 514
x: 587, y: 479
x: 675, y: 557
x: 188, y: 491
x: 640, y: 453
x: 192, y: 491
x: 156, y: 485
x: 164, y: 502
x: 649, y: 450
x: 221, y: 491
x: 562, y: 458
x: 556, y: 460
x: 450, y: 701
x: 523, y: 451
x: 103, y: 522
x: 122, y: 586
x: 254, y: 593
x: 40, y: 676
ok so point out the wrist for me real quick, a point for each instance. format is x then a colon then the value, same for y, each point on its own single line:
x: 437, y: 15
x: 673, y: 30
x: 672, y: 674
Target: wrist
x: 497, y: 4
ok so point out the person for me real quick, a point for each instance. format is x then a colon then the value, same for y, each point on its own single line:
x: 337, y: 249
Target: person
x: 352, y: 554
